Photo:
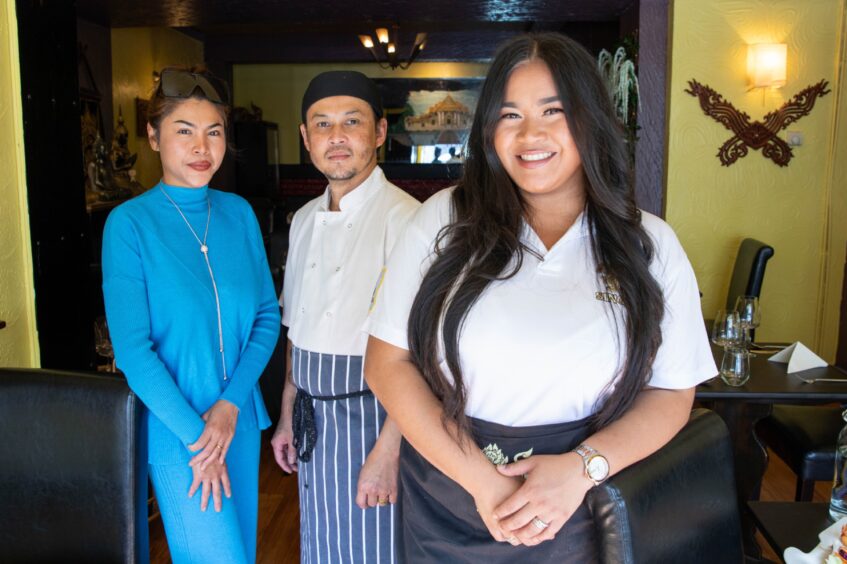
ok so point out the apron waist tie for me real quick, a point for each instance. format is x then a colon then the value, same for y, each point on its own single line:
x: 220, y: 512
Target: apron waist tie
x: 304, y: 429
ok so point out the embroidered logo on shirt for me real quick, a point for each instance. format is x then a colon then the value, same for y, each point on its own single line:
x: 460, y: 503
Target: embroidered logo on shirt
x: 612, y: 293
x: 376, y: 290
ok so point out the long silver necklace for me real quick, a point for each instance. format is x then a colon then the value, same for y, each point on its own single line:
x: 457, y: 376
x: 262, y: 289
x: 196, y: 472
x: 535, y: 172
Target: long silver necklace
x: 205, y: 250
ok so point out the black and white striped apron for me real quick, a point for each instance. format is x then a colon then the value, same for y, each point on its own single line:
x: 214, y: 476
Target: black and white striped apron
x: 439, y: 518
x: 332, y: 527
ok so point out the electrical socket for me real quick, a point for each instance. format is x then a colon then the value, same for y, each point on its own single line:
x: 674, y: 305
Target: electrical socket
x: 794, y: 138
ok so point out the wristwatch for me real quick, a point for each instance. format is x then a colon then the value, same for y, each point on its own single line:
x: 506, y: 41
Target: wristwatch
x: 596, y: 465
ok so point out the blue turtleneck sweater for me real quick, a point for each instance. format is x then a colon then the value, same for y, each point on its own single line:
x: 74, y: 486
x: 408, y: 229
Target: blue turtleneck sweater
x: 160, y: 306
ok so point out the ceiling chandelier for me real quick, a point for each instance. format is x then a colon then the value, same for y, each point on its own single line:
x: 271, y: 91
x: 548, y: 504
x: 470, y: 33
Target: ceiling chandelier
x: 385, y: 48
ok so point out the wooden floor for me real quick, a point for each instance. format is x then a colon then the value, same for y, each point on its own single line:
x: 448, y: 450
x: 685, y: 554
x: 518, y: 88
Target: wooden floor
x: 279, y: 518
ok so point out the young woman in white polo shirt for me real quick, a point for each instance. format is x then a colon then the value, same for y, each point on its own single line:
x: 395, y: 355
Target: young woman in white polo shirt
x: 532, y: 317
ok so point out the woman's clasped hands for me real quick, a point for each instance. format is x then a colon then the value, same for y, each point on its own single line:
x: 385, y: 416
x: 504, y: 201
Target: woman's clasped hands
x: 209, y: 464
x: 552, y: 490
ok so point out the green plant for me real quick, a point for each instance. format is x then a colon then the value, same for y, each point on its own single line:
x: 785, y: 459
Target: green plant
x: 619, y: 74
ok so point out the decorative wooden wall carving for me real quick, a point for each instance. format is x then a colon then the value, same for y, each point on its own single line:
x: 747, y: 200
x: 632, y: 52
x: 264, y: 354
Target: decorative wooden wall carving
x: 758, y: 134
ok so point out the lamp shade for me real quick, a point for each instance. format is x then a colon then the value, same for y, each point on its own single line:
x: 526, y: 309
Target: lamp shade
x: 766, y: 64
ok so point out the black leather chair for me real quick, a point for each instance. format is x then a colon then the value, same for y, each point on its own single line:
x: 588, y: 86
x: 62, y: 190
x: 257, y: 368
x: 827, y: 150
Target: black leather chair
x: 73, y: 486
x: 749, y: 271
x: 804, y: 437
x: 677, y: 505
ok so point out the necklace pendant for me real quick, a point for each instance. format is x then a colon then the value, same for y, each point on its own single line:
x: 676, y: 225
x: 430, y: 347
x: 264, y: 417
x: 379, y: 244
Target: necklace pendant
x: 204, y: 249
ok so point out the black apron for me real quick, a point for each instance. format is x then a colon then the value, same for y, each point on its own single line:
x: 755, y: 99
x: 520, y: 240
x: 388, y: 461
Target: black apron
x: 439, y: 518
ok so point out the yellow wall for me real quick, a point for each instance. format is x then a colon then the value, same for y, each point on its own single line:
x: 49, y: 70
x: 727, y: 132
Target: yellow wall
x: 136, y: 53
x: 18, y: 341
x: 278, y: 90
x: 836, y: 242
x: 713, y: 207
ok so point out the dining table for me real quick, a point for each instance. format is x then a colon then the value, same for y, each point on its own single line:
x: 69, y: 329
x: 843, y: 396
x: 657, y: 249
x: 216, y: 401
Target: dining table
x: 742, y: 407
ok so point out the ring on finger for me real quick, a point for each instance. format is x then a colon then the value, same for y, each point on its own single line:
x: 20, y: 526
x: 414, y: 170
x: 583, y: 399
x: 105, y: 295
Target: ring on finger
x: 539, y: 524
x: 382, y: 502
x: 513, y: 540
x: 219, y: 445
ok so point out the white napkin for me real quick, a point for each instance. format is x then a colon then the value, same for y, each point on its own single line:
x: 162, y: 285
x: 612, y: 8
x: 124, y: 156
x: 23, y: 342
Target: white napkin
x: 817, y: 555
x: 799, y: 358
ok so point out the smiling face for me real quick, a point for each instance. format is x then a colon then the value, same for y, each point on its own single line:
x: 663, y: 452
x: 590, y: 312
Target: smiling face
x: 532, y: 138
x: 191, y: 142
x: 342, y: 136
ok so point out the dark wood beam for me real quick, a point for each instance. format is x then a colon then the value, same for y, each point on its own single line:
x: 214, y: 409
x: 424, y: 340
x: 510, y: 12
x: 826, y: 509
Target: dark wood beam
x: 651, y: 150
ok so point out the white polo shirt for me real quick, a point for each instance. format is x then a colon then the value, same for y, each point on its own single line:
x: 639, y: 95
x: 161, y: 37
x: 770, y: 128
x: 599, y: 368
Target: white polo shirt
x: 540, y: 347
x: 335, y: 260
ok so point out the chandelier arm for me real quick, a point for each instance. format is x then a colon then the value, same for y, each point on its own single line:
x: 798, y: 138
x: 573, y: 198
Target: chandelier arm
x: 387, y: 60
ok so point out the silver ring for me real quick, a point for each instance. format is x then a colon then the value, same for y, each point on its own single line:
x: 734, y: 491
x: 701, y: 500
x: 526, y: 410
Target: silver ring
x: 539, y: 524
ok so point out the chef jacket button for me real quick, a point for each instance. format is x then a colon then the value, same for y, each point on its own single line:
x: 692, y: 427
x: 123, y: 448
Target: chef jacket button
x: 329, y: 314
x: 349, y: 226
x: 314, y: 264
x: 337, y: 268
x: 323, y: 222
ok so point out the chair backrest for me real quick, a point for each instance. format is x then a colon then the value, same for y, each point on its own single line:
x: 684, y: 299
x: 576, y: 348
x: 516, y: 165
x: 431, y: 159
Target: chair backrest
x: 749, y: 271
x: 677, y: 505
x: 72, y: 476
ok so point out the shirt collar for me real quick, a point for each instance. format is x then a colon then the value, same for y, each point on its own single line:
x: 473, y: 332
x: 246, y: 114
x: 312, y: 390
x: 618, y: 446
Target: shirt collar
x: 182, y: 195
x: 578, y: 230
x: 354, y: 199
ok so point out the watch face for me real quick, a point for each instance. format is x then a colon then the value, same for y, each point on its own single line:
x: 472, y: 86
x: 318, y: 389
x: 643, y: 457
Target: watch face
x: 598, y: 468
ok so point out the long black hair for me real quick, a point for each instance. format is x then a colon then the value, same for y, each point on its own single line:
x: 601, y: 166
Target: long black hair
x: 482, y: 242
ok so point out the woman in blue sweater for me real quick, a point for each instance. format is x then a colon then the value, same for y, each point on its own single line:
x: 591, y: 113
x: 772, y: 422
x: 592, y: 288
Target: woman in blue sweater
x: 193, y: 319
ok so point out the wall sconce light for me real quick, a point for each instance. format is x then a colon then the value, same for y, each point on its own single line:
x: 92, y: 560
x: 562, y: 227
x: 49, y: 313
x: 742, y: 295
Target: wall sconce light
x: 385, y: 48
x: 766, y: 64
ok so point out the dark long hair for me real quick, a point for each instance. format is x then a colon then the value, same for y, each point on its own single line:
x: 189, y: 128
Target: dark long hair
x: 482, y: 242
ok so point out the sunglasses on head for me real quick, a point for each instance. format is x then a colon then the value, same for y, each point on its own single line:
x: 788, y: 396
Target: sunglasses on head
x: 183, y: 84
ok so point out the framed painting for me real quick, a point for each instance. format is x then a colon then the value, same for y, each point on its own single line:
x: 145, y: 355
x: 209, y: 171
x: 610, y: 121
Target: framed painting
x: 429, y: 119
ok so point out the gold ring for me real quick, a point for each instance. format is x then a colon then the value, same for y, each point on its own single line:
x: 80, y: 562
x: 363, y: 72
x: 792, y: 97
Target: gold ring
x: 382, y: 502
x: 539, y: 524
x: 219, y: 445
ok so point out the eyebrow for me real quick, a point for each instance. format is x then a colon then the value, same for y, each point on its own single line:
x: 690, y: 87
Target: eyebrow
x: 541, y: 101
x: 318, y: 115
x: 189, y: 124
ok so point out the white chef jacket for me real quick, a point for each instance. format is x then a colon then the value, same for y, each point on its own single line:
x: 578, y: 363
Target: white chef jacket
x: 540, y: 347
x: 335, y: 260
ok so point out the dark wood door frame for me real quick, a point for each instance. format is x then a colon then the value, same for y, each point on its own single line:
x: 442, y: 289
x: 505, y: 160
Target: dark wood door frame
x: 54, y: 179
x: 654, y: 19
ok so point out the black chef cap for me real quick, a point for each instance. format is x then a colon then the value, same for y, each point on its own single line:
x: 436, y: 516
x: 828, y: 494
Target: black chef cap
x: 342, y: 83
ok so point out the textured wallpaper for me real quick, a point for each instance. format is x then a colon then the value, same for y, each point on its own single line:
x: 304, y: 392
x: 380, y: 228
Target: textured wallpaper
x: 18, y: 345
x: 712, y: 207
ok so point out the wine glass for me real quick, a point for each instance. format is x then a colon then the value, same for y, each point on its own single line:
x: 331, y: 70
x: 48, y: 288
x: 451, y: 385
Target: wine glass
x: 749, y: 314
x: 727, y: 330
x: 735, y: 367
